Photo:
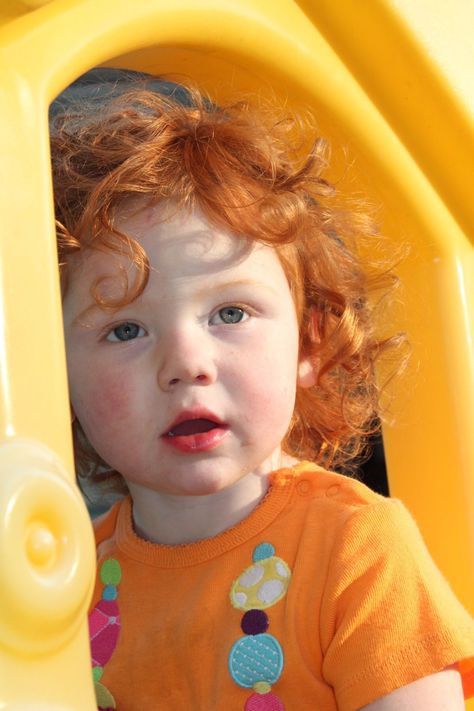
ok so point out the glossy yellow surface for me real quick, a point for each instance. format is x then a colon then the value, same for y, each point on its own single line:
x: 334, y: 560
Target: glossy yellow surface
x: 381, y: 82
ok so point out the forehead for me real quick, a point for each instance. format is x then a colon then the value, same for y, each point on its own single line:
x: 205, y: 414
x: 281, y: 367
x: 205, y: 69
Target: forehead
x: 180, y: 247
x: 184, y: 243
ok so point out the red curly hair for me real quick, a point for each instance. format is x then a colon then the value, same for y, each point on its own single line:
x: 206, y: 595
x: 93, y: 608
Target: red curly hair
x: 244, y: 172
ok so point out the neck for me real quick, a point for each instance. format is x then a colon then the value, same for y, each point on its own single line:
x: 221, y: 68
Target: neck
x: 175, y: 520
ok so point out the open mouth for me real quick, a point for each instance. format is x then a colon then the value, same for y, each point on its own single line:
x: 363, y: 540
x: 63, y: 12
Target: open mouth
x: 191, y: 435
x: 192, y: 427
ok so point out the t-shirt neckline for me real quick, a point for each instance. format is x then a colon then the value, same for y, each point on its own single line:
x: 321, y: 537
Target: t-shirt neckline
x: 282, y: 483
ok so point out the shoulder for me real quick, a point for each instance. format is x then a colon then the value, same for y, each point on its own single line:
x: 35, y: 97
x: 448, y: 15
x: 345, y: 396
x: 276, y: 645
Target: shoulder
x: 343, y: 495
x: 340, y: 487
x: 359, y: 524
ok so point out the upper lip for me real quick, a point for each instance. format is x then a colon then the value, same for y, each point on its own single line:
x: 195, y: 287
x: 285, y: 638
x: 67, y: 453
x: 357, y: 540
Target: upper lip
x: 195, y: 413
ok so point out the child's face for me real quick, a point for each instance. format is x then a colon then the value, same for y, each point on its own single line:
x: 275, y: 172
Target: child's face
x: 190, y: 387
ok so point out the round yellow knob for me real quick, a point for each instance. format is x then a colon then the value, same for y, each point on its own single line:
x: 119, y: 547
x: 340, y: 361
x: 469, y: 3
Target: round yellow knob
x: 41, y: 545
x: 47, y: 556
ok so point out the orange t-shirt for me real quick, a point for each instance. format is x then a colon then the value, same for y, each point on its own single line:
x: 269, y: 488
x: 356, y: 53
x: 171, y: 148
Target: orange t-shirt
x: 325, y: 597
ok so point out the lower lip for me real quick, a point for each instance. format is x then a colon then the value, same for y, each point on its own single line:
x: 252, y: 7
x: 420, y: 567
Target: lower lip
x: 201, y: 442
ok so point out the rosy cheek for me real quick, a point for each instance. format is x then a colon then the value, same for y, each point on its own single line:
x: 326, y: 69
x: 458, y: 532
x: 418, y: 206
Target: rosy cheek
x: 105, y: 402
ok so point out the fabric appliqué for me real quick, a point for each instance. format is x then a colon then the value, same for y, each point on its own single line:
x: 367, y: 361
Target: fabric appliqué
x: 104, y: 630
x: 256, y: 660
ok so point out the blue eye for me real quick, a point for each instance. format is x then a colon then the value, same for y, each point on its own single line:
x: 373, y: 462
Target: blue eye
x: 126, y: 332
x: 230, y: 314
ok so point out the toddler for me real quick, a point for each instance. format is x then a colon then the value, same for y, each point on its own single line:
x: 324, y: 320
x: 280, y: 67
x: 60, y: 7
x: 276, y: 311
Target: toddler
x: 221, y: 354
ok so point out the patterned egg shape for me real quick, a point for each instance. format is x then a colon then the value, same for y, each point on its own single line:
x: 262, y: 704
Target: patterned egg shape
x: 255, y: 659
x: 261, y: 585
x: 104, y: 630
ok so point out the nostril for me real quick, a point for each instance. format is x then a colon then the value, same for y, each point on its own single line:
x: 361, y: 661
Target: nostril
x: 201, y: 378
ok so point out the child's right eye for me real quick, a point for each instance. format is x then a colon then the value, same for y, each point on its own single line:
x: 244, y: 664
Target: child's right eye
x: 125, y: 332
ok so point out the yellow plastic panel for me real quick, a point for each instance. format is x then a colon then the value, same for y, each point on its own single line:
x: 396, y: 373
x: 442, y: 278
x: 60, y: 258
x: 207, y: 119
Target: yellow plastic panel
x: 378, y: 88
x: 408, y: 74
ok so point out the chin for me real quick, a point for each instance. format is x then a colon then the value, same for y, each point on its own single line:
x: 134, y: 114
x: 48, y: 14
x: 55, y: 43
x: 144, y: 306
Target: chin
x: 204, y: 489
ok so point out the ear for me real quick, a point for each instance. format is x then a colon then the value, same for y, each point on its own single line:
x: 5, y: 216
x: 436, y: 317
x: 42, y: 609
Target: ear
x: 308, y: 367
x: 306, y: 373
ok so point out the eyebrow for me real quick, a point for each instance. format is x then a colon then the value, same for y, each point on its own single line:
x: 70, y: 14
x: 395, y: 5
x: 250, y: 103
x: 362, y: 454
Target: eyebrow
x: 93, y: 308
x: 208, y: 290
x: 79, y: 319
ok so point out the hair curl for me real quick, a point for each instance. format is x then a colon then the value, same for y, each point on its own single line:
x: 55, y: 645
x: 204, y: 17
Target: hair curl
x: 243, y: 170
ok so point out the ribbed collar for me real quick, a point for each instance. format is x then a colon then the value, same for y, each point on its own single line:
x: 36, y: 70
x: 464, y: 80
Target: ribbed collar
x: 282, y: 483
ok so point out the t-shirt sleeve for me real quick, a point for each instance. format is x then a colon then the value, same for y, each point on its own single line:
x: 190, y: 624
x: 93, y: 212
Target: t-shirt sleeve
x: 388, y: 616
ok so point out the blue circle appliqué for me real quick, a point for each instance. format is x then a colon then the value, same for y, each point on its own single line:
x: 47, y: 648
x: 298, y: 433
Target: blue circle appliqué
x: 256, y: 658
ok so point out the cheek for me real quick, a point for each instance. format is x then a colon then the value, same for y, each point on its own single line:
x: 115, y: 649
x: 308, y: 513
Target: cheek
x: 102, y: 402
x: 270, y: 382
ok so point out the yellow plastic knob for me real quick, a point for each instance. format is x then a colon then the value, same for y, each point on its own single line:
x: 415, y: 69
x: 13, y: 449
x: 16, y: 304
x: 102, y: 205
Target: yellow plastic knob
x: 46, y: 550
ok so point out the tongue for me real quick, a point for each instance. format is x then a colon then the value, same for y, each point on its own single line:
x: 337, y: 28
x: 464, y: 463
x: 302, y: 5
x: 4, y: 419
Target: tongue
x: 189, y: 427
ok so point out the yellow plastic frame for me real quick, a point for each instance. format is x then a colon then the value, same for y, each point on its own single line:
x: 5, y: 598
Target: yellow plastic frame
x: 381, y: 88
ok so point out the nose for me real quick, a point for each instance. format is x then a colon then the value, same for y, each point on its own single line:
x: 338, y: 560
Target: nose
x: 186, y: 359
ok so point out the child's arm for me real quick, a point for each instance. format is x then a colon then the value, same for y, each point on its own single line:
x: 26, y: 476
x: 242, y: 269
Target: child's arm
x: 437, y: 692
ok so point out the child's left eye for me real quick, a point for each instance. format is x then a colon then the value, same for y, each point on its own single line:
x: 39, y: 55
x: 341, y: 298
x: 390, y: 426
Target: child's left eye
x: 125, y: 332
x: 229, y: 314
